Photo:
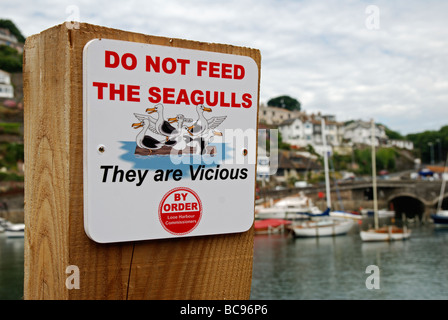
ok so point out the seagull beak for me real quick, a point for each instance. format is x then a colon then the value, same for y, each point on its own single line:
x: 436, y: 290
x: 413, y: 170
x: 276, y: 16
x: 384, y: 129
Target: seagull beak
x: 172, y: 120
x: 151, y: 110
x: 207, y: 109
x: 137, y: 125
x: 217, y: 133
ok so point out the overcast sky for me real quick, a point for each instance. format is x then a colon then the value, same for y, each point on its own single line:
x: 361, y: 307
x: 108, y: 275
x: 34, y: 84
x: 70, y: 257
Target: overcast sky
x: 386, y: 60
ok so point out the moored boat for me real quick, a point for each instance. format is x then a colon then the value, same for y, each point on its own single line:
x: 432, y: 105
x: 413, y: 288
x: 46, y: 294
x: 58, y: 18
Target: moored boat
x: 440, y: 219
x: 382, y: 213
x: 12, y: 230
x: 324, y: 224
x: 15, y: 230
x: 322, y: 227
x: 289, y: 208
x: 388, y: 233
x: 269, y: 226
x: 345, y: 214
x: 2, y: 224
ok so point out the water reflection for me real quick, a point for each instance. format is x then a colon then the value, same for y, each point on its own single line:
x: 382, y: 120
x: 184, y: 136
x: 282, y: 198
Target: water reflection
x: 11, y: 267
x: 315, y: 268
x: 335, y: 267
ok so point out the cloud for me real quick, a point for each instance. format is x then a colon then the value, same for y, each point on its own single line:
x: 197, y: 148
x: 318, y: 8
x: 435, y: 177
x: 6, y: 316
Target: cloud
x: 321, y: 53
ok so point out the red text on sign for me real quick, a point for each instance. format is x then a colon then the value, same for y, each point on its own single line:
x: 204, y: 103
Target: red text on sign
x: 195, y: 97
x: 112, y: 60
x: 180, y: 211
x: 121, y: 91
x: 169, y: 65
x: 220, y: 70
x: 180, y: 196
x: 176, y: 207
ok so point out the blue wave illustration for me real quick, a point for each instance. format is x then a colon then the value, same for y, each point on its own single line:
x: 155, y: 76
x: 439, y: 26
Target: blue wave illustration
x: 182, y: 162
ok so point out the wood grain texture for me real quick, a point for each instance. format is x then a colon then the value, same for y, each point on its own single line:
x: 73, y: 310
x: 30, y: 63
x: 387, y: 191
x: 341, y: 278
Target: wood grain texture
x: 208, y: 267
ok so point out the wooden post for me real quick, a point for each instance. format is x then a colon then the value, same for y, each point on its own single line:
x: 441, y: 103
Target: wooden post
x: 207, y: 267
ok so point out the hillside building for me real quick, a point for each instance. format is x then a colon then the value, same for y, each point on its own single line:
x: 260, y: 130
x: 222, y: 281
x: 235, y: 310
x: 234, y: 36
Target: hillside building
x: 6, y: 89
x: 7, y: 38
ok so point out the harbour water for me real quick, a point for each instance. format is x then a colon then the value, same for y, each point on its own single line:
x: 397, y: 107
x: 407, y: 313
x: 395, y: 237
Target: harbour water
x: 328, y: 268
x: 333, y: 268
x: 11, y: 268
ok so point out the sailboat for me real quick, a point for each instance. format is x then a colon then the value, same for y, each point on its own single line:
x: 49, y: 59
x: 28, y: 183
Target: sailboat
x: 387, y: 233
x: 440, y: 218
x: 289, y: 208
x: 323, y: 225
x: 342, y: 213
x: 12, y: 230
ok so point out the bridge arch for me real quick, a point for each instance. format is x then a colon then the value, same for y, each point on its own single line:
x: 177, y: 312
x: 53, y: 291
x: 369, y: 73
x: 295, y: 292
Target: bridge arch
x: 435, y: 202
x: 408, y: 204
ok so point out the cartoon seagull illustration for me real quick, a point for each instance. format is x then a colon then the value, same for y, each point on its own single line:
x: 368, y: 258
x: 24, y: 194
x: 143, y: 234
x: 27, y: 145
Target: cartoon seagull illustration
x: 181, y: 131
x: 183, y: 139
x: 202, y: 125
x: 180, y: 119
x: 143, y: 140
x: 203, y: 128
x: 162, y: 126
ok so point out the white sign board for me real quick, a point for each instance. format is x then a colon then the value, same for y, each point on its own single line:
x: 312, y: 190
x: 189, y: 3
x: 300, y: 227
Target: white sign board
x: 169, y: 141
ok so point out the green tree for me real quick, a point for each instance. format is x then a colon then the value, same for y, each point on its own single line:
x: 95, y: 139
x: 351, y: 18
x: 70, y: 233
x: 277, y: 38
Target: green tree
x: 391, y: 134
x: 285, y: 102
x: 10, y: 59
x: 363, y: 157
x: 385, y: 159
x: 10, y: 153
x: 430, y: 143
x: 341, y: 162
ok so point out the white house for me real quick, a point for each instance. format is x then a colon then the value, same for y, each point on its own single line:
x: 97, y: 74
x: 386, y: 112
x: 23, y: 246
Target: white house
x: 6, y: 89
x: 292, y: 131
x: 361, y: 132
x: 275, y: 115
x: 307, y: 130
x: 402, y: 144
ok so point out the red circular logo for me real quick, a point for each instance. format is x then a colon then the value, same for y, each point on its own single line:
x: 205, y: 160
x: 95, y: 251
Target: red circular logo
x: 180, y: 211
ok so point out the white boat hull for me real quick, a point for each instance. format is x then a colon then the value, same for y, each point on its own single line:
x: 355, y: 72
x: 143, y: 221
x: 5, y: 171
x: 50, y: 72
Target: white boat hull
x: 14, y: 234
x: 323, y: 228
x: 347, y: 215
x: 279, y: 214
x: 372, y: 235
x: 15, y: 230
x: 381, y: 213
x: 289, y: 208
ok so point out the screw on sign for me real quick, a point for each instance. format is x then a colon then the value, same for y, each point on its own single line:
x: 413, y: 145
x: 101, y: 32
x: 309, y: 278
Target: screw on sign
x: 180, y: 211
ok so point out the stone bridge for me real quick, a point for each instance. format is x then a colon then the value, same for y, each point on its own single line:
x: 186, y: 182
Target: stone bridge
x: 414, y: 198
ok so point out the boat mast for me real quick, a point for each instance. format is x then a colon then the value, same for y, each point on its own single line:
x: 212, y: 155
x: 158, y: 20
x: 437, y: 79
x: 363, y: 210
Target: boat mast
x: 375, y: 199
x: 327, y: 177
x: 442, y: 189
